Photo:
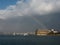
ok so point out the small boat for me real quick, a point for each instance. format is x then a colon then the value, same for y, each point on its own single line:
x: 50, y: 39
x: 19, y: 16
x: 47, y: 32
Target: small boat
x: 25, y: 34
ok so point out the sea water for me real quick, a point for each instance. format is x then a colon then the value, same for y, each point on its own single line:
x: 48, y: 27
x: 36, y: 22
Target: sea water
x: 29, y: 40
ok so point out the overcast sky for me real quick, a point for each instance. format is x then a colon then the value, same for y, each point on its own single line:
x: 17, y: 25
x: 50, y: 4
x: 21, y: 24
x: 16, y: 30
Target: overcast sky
x: 17, y: 15
x: 10, y: 8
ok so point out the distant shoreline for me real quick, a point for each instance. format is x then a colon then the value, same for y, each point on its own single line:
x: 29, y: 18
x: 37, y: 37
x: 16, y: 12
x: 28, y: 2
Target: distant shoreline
x: 32, y: 35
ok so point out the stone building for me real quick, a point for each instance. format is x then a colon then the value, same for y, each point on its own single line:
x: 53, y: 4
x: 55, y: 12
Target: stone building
x: 42, y: 32
x: 46, y: 32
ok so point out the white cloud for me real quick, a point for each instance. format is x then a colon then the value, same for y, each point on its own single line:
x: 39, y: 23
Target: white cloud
x: 33, y: 6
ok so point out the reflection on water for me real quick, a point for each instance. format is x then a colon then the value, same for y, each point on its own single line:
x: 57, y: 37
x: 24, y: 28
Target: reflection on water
x: 29, y: 40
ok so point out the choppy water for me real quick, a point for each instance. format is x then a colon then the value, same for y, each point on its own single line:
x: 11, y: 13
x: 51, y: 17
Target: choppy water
x: 29, y: 40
